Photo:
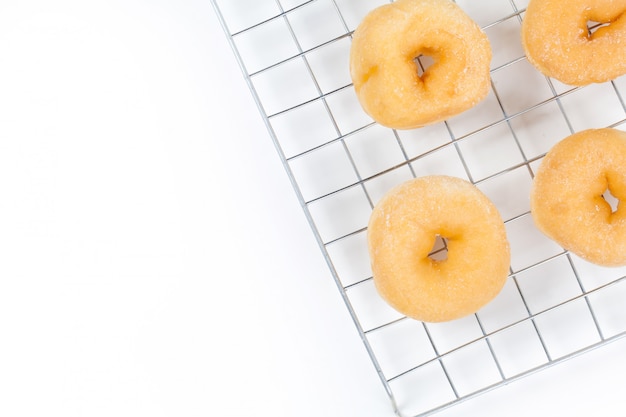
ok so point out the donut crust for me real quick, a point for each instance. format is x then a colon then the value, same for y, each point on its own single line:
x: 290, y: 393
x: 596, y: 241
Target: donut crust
x: 557, y: 41
x: 401, y: 233
x: 566, y: 198
x: 385, y: 74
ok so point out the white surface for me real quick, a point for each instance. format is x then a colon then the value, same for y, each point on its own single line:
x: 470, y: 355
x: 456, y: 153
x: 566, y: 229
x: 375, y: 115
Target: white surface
x: 153, y: 257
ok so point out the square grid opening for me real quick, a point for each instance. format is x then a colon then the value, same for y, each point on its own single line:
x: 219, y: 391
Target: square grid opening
x: 294, y: 54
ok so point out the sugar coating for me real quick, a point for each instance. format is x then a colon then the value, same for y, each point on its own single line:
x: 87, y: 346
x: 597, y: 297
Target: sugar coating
x: 566, y: 198
x: 557, y: 41
x: 385, y: 74
x: 401, y: 234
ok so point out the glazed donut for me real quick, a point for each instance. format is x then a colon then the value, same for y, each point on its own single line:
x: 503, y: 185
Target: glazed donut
x: 566, y: 197
x: 402, y: 230
x: 385, y: 74
x: 557, y: 41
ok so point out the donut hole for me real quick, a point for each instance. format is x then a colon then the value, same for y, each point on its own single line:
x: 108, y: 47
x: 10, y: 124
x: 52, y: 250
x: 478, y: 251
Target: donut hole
x: 593, y: 26
x: 611, y: 200
x: 423, y: 62
x: 439, y: 251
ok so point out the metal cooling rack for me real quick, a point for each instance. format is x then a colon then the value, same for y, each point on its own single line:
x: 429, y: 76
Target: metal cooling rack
x: 294, y: 57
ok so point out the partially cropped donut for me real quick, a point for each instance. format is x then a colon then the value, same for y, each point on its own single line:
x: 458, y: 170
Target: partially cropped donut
x: 383, y: 66
x: 567, y: 201
x: 402, y: 231
x: 558, y: 42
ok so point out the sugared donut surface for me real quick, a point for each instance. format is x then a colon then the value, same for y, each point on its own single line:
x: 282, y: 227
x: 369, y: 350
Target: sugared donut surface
x: 558, y: 43
x: 402, y: 231
x: 567, y: 202
x: 385, y: 46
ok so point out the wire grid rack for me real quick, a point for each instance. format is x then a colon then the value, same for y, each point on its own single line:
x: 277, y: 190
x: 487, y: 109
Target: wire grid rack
x: 294, y: 56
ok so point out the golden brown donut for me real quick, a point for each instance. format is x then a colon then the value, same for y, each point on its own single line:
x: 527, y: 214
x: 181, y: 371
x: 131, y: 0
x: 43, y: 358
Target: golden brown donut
x: 401, y: 233
x: 557, y: 41
x: 385, y: 74
x: 566, y: 198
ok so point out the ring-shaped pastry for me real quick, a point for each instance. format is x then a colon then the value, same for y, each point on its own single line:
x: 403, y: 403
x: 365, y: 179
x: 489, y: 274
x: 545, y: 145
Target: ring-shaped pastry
x: 567, y: 202
x: 386, y: 77
x: 402, y: 231
x: 558, y: 41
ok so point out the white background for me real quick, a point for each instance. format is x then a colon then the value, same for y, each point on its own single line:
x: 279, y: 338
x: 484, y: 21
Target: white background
x: 154, y: 260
